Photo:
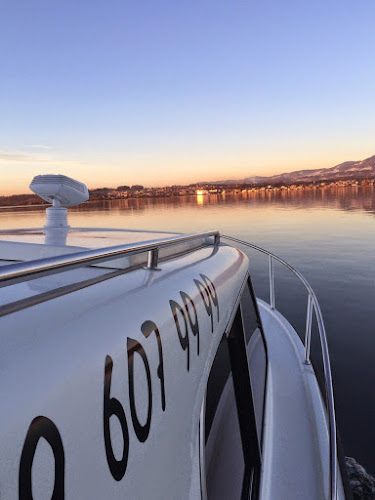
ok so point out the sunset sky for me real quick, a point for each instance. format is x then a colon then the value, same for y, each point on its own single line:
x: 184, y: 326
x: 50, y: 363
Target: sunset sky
x: 164, y: 92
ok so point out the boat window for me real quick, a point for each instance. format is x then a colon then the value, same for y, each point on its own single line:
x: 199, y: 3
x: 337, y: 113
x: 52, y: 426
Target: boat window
x: 248, y: 311
x: 232, y: 449
x: 256, y: 353
x: 224, y: 458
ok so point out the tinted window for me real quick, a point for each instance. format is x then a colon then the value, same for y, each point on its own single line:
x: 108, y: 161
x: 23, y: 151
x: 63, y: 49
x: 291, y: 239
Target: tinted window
x: 232, y: 452
x: 249, y: 314
x: 224, y: 458
x: 256, y: 353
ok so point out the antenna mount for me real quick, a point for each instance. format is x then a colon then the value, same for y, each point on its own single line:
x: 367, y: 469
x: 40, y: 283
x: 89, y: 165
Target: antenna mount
x: 62, y: 192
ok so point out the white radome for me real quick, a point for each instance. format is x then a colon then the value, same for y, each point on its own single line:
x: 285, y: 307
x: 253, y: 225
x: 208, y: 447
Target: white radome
x: 60, y: 190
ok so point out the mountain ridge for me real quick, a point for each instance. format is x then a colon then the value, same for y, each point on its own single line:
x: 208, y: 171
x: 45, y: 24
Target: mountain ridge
x: 347, y: 170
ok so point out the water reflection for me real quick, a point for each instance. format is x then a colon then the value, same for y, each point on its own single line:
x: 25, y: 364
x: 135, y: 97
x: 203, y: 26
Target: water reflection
x: 341, y: 198
x: 348, y: 198
x: 200, y: 199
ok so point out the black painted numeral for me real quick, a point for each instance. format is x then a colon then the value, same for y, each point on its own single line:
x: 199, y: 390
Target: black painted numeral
x: 184, y: 339
x: 206, y: 297
x: 112, y: 406
x: 188, y: 303
x: 212, y: 291
x: 41, y: 427
x: 141, y: 431
x: 147, y: 328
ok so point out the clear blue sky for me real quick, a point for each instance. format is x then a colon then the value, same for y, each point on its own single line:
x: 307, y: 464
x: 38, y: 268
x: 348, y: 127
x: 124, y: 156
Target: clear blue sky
x: 163, y: 92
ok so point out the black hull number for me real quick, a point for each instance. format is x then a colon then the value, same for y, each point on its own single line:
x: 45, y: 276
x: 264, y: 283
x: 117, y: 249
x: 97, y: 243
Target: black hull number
x: 186, y: 321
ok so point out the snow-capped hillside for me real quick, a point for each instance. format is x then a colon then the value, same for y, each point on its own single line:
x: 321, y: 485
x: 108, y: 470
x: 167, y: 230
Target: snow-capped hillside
x: 346, y: 170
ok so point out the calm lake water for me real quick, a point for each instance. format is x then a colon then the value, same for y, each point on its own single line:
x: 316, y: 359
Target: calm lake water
x: 327, y: 235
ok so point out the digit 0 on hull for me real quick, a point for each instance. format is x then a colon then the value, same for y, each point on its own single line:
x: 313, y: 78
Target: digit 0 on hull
x: 149, y: 369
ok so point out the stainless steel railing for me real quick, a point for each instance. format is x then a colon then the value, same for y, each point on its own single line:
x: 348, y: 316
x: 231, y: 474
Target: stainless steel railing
x: 312, y: 306
x: 24, y: 271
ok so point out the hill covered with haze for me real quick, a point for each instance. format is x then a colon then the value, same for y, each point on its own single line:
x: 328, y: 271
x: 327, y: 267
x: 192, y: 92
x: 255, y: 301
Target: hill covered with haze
x: 347, y: 170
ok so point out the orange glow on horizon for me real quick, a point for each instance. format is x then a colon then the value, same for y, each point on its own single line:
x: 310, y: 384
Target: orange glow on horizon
x: 167, y: 170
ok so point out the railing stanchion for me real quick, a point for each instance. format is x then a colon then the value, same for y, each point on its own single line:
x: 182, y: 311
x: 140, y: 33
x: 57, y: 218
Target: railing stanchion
x: 272, y: 282
x: 308, y: 330
x: 152, y: 259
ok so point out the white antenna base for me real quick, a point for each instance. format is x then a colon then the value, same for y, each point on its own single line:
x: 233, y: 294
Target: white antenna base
x: 56, y: 228
x: 63, y: 192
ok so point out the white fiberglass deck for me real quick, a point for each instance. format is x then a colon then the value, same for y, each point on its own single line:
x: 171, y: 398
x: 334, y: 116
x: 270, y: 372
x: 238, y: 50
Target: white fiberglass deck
x: 296, y: 440
x: 28, y: 244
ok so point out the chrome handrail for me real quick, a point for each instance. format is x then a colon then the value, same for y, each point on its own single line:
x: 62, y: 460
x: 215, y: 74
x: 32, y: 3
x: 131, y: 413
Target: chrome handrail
x: 23, y: 271
x: 312, y: 304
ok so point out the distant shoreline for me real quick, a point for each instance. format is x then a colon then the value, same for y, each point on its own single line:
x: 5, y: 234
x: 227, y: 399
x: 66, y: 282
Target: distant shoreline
x: 107, y: 194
